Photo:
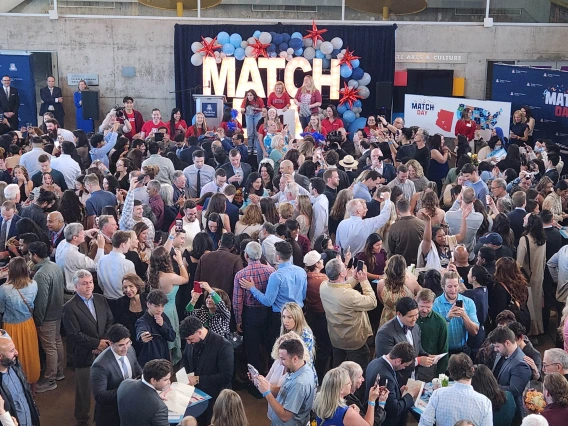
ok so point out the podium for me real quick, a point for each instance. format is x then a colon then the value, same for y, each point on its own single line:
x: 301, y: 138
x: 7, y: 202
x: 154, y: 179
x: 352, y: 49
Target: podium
x: 211, y: 106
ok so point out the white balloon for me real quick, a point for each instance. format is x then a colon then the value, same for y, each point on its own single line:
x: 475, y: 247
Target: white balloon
x: 318, y: 44
x: 196, y: 59
x: 244, y: 44
x: 337, y: 43
x: 327, y: 56
x: 250, y: 40
x: 218, y: 60
x: 343, y: 50
x: 309, y: 53
x: 365, y: 80
x: 289, y: 57
x: 326, y: 47
x: 353, y: 83
x: 364, y: 92
x: 283, y: 54
x: 340, y: 56
x: 290, y: 51
x: 217, y: 54
x: 208, y: 39
x: 248, y: 51
x: 265, y: 37
x: 222, y: 55
x: 357, y: 115
x: 308, y: 42
x: 195, y: 46
x: 357, y: 110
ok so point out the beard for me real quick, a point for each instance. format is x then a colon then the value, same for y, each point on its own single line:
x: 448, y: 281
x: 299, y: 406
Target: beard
x: 7, y: 362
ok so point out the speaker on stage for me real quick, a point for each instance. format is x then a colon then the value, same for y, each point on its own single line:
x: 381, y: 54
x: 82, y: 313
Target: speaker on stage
x: 90, y: 104
x: 383, y: 95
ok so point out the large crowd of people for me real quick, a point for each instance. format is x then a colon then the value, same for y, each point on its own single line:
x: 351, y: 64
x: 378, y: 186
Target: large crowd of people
x: 340, y: 270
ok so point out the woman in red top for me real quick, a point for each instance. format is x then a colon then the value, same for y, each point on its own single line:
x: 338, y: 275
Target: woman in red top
x: 465, y: 125
x: 371, y: 125
x: 230, y: 124
x: 252, y: 109
x: 279, y: 99
x: 315, y: 125
x: 332, y: 121
x: 308, y: 99
x: 177, y: 125
x: 199, y: 128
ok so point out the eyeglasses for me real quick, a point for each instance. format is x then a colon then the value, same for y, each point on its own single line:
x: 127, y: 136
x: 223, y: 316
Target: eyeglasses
x: 545, y: 365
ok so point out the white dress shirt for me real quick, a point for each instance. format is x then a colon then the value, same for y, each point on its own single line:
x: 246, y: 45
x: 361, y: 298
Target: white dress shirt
x: 70, y: 260
x: 29, y: 161
x: 126, y: 361
x: 212, y: 187
x: 68, y: 168
x: 269, y: 250
x: 110, y: 270
x: 320, y: 217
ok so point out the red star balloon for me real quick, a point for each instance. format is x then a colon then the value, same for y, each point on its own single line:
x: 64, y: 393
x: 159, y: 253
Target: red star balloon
x: 209, y: 47
x: 348, y: 56
x: 315, y: 34
x: 349, y: 95
x: 259, y: 48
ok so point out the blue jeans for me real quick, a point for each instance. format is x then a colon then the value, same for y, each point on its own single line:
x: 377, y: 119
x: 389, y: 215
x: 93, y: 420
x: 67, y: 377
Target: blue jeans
x: 304, y: 121
x: 252, y: 122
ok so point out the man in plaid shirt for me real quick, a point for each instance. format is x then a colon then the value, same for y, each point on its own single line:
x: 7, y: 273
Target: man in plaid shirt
x: 251, y: 316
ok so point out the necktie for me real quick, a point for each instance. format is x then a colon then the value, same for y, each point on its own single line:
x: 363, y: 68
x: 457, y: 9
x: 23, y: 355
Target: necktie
x: 7, y: 92
x: 3, y: 235
x: 198, y: 182
x: 51, y: 91
x: 124, y: 368
x: 407, y: 329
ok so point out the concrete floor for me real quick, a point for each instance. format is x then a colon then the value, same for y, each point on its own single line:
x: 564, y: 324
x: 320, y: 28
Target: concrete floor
x: 56, y: 407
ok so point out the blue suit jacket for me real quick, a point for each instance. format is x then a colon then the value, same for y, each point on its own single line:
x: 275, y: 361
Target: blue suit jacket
x: 389, y: 173
x: 516, y: 218
x: 13, y: 232
x: 514, y: 376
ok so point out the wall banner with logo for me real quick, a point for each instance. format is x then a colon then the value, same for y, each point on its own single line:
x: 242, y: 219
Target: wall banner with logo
x: 545, y: 91
x: 440, y: 114
x: 18, y: 66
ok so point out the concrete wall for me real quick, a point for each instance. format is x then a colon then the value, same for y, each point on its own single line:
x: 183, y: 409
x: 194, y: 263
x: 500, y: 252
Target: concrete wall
x: 104, y: 46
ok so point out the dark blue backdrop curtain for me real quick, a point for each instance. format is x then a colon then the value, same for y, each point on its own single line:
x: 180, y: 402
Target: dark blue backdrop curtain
x: 374, y: 44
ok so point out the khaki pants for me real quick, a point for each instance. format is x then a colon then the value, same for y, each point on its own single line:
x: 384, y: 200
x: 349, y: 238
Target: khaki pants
x: 50, y: 339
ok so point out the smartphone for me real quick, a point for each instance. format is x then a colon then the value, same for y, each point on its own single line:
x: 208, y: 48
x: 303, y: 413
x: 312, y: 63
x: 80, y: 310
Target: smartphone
x: 158, y: 136
x: 459, y: 303
x: 97, y: 222
x: 360, y: 265
x: 488, y: 198
x: 350, y: 264
x: 197, y: 287
x: 179, y: 225
x: 253, y: 371
x: 377, y: 380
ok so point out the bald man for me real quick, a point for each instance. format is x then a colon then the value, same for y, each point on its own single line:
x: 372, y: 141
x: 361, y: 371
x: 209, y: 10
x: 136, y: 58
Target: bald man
x: 287, y: 168
x: 14, y: 388
x: 55, y: 225
x: 461, y: 261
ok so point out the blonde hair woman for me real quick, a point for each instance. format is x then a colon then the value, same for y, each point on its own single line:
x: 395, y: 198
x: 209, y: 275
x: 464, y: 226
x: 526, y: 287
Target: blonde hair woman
x: 199, y: 128
x: 229, y: 410
x: 315, y: 125
x: 338, y: 211
x: 308, y: 99
x: 293, y: 319
x: 277, y: 150
x: 330, y: 406
x: 519, y: 130
x: 416, y: 175
x: 251, y: 221
x: 81, y: 124
x: 305, y: 212
x: 286, y: 211
x: 279, y: 99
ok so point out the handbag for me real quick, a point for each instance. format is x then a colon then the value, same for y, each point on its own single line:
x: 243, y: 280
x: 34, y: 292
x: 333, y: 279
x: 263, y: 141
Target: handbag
x: 235, y: 339
x: 522, y: 313
x: 523, y: 270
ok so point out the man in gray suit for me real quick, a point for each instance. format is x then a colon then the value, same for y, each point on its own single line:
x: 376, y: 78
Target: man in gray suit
x: 402, y: 328
x: 138, y: 401
x: 510, y: 369
x: 114, y: 365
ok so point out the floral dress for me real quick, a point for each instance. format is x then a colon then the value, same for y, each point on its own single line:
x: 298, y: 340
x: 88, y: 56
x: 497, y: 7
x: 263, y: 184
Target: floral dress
x: 389, y: 301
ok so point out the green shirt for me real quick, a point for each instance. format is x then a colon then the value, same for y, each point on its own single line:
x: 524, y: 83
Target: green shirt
x: 434, y: 340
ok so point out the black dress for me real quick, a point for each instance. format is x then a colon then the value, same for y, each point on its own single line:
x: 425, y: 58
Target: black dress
x: 128, y: 318
x: 140, y: 267
x: 380, y: 413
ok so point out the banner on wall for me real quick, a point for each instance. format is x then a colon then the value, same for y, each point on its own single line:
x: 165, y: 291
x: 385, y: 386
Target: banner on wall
x: 545, y: 91
x: 440, y: 114
x: 18, y: 66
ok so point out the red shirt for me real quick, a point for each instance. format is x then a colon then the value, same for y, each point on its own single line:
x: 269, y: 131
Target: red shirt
x: 278, y: 102
x: 368, y: 130
x: 191, y: 132
x: 310, y: 130
x: 180, y: 125
x: 226, y: 128
x: 466, y: 128
x: 258, y: 104
x: 148, y: 127
x: 130, y: 117
x: 329, y: 126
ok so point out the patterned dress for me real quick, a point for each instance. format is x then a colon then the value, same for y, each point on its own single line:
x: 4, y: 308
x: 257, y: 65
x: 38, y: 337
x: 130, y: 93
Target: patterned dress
x: 389, y: 301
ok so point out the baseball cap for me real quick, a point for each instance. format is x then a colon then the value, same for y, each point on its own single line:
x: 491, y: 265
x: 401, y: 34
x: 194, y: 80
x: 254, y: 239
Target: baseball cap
x: 312, y: 257
x: 492, y: 238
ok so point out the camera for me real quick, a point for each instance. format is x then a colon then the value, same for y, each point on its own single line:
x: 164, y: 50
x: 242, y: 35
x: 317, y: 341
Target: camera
x: 119, y: 112
x: 334, y: 136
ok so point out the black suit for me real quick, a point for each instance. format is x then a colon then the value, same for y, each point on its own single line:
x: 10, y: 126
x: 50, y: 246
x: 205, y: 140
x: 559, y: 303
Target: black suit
x: 553, y: 175
x: 48, y: 99
x: 516, y: 218
x: 302, y: 180
x: 228, y: 167
x: 140, y: 405
x: 85, y: 332
x: 214, y: 366
x: 11, y: 105
x: 397, y: 406
x: 106, y: 377
x: 392, y: 333
x: 13, y: 231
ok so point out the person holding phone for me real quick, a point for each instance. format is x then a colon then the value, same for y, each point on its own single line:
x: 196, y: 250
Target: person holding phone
x: 215, y: 313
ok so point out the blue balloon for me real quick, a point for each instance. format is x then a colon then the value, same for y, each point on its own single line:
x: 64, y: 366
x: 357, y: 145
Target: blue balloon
x: 326, y: 63
x: 296, y: 35
x: 277, y: 39
x: 355, y: 63
x: 356, y: 104
x: 256, y: 34
x: 348, y: 116
x: 283, y: 47
x: 271, y: 48
x: 295, y: 43
x: 286, y: 37
x: 357, y: 73
x: 223, y: 37
x: 228, y: 49
x: 320, y: 54
x: 193, y: 120
x: 341, y: 109
x: 335, y: 52
x: 299, y: 52
x: 236, y: 40
x: 272, y: 54
x: 345, y: 71
x: 355, y: 125
x: 239, y: 53
x: 272, y: 34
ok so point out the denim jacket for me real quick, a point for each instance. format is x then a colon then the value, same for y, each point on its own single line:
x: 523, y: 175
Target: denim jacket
x: 11, y: 304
